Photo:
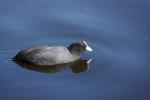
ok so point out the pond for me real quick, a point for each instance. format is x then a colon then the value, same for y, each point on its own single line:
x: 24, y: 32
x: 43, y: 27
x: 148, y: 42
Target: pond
x: 117, y: 31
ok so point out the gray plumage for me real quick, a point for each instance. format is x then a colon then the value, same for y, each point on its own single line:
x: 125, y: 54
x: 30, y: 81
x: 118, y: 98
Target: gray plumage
x: 51, y: 55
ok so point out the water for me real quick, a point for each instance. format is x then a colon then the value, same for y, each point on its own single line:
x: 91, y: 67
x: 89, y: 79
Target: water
x: 118, y: 31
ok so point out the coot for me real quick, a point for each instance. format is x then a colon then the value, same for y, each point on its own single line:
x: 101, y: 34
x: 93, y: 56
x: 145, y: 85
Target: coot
x: 51, y: 55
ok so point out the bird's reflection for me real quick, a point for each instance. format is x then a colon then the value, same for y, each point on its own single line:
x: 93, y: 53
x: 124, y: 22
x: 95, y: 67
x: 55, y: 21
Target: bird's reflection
x: 76, y: 67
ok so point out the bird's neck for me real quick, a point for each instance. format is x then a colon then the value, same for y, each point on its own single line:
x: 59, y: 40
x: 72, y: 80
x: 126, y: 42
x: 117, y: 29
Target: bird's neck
x: 74, y: 52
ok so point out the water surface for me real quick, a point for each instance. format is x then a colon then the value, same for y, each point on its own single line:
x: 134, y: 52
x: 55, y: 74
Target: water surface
x: 118, y: 31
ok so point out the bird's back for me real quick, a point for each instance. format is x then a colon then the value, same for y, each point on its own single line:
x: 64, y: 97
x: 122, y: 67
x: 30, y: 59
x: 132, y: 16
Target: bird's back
x: 45, y: 55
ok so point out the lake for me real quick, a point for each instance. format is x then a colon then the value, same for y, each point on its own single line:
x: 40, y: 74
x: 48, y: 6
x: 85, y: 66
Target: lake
x: 118, y: 31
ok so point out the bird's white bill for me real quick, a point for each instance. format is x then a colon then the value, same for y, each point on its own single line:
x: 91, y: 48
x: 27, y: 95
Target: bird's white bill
x: 88, y: 48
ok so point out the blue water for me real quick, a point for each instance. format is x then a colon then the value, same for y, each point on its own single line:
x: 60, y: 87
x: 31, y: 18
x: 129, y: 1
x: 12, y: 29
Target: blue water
x: 117, y: 30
